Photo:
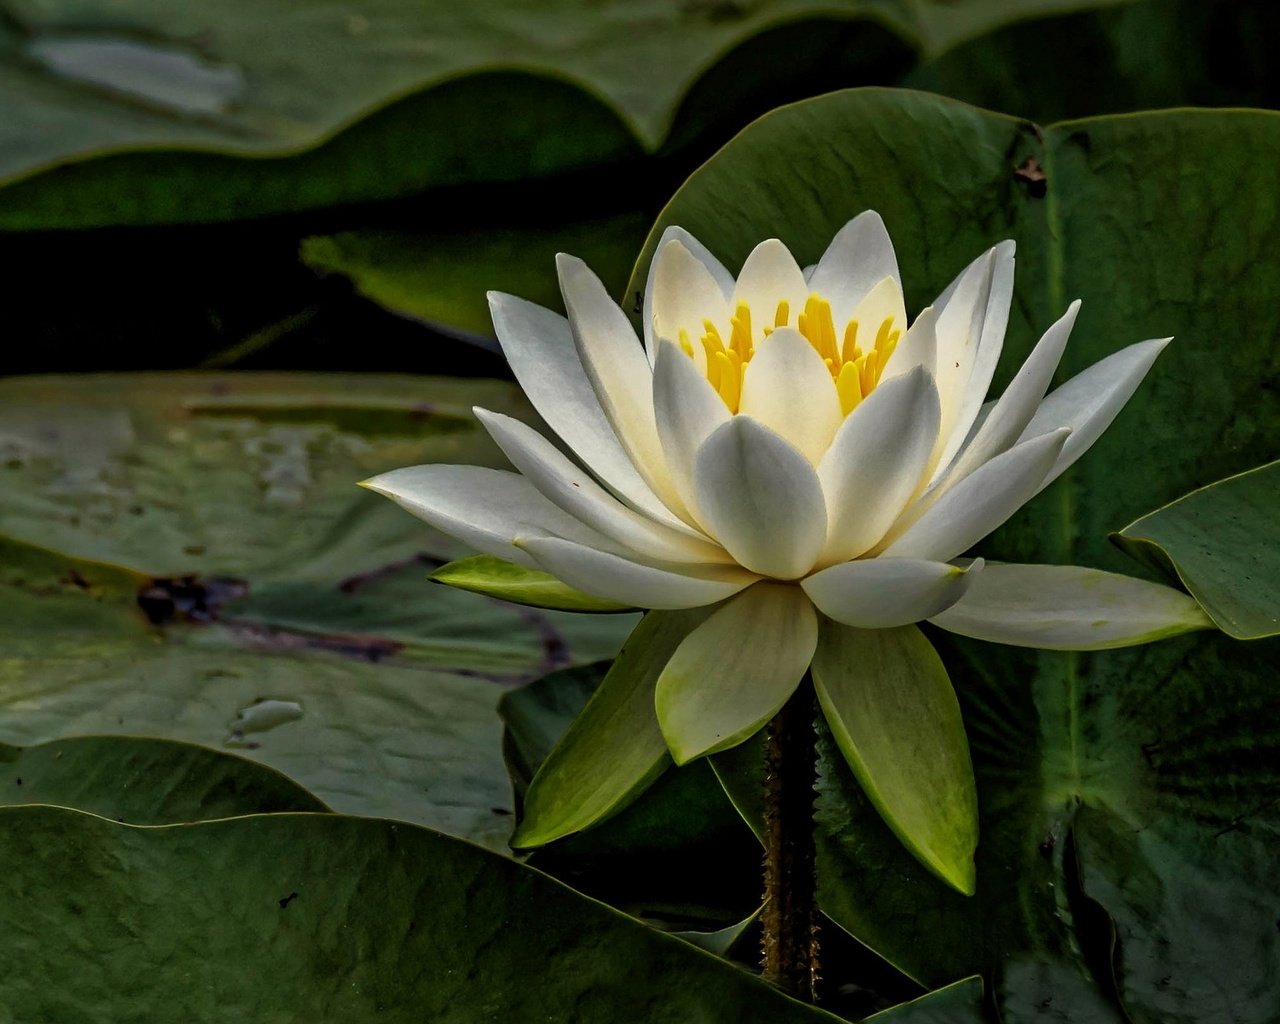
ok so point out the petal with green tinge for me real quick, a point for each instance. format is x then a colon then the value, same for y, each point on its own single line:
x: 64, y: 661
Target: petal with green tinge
x: 894, y: 715
x: 495, y: 577
x: 733, y: 673
x: 614, y: 748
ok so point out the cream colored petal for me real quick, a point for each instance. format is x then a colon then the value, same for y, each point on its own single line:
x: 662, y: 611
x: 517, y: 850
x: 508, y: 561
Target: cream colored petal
x: 620, y: 579
x: 732, y: 673
x: 880, y: 593
x: 688, y: 411
x: 539, y: 346
x: 760, y: 498
x: 876, y: 462
x: 918, y: 347
x: 980, y: 502
x: 681, y: 294
x: 619, y: 371
x: 1089, y: 401
x: 789, y: 389
x: 858, y: 258
x: 1069, y: 608
x: 769, y: 276
x: 485, y: 508
x: 997, y: 429
x: 883, y: 302
x: 559, y: 480
x: 977, y: 357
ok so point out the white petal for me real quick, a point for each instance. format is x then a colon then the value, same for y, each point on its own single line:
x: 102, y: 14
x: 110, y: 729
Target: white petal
x: 715, y: 268
x: 539, y: 346
x: 860, y: 256
x: 1069, y: 608
x: 681, y: 293
x: 1090, y: 400
x: 980, y: 502
x: 573, y: 490
x: 603, y: 574
x: 760, y: 498
x: 619, y: 371
x: 918, y: 347
x: 883, y: 302
x: 880, y: 593
x: 688, y: 411
x: 789, y: 389
x: 1004, y: 421
x: 485, y: 508
x: 971, y: 326
x: 732, y: 673
x: 769, y: 276
x: 876, y: 461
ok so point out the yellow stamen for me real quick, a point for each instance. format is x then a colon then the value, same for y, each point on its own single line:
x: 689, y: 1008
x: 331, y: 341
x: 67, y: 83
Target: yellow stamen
x: 854, y: 373
x: 848, y: 388
x: 849, y: 350
x: 740, y: 338
x: 730, y: 385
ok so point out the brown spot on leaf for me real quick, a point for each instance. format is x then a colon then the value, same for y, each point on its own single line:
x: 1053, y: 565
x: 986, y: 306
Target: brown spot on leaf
x: 1032, y: 174
x: 188, y: 598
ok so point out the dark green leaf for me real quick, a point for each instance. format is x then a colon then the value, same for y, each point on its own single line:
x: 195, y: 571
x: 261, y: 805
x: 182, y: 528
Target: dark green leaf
x: 1223, y: 543
x: 146, y: 782
x: 321, y: 917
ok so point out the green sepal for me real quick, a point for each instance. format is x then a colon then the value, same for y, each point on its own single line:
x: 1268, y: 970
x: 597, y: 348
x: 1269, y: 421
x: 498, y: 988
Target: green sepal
x: 494, y: 577
x: 614, y: 749
x: 894, y: 715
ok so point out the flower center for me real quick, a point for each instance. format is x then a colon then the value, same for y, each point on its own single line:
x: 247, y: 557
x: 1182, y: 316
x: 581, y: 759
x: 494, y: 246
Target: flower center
x: 854, y: 372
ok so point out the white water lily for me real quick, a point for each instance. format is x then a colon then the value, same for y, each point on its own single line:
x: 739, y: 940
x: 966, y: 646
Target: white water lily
x: 787, y: 445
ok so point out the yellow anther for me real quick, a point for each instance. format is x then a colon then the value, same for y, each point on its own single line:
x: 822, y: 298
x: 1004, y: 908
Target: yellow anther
x: 848, y: 388
x: 849, y: 350
x: 740, y: 325
x: 866, y: 374
x: 781, y: 314
x: 685, y: 344
x: 767, y: 331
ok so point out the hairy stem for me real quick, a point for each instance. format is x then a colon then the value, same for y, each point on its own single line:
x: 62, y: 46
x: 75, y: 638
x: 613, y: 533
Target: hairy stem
x: 790, y: 916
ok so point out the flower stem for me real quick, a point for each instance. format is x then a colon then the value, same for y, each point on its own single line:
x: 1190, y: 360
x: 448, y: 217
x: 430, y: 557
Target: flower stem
x: 790, y: 916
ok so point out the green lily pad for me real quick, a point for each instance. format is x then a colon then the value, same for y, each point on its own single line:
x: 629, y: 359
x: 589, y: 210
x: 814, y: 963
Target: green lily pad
x: 318, y: 917
x: 146, y: 782
x: 1223, y: 543
x: 189, y: 558
x: 1163, y: 224
x: 171, y: 96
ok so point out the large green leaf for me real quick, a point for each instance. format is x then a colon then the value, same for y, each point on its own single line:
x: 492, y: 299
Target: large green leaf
x: 1223, y: 543
x: 1157, y: 53
x: 189, y: 558
x: 595, y: 84
x: 1162, y: 224
x: 146, y: 782
x: 321, y: 917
